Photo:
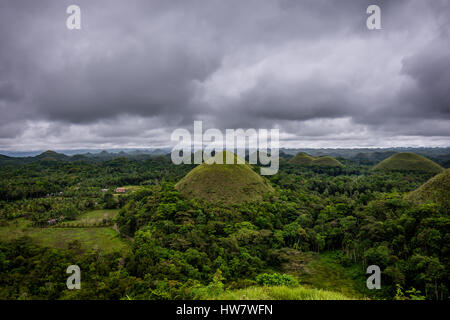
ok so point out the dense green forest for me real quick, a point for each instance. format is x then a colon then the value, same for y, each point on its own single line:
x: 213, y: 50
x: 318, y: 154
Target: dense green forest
x: 320, y: 222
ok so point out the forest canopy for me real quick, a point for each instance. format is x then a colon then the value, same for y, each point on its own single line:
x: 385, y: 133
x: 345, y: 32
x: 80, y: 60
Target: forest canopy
x: 318, y: 228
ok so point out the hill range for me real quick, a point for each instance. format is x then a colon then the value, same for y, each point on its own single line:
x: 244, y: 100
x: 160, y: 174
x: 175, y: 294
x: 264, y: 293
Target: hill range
x: 307, y: 160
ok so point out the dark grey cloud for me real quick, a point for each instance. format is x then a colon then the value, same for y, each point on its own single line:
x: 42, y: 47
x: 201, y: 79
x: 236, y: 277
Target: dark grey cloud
x: 138, y: 69
x: 430, y: 71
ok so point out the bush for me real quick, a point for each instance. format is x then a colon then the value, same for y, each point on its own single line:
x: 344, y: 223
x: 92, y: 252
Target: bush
x: 276, y: 279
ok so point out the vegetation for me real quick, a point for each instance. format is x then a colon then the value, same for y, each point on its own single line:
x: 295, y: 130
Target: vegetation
x: 231, y: 183
x: 307, y: 160
x: 280, y: 293
x: 437, y: 190
x: 94, y: 218
x: 407, y: 161
x: 99, y: 238
x: 308, y: 232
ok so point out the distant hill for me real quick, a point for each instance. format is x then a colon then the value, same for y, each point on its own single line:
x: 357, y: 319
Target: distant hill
x: 372, y: 158
x: 5, y: 160
x: 361, y: 156
x: 233, y: 183
x: 50, y: 155
x: 307, y: 160
x: 47, y: 156
x: 407, y: 161
x: 437, y: 189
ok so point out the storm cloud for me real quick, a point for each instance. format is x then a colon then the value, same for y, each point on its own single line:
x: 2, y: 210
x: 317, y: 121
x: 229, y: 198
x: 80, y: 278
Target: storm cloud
x: 139, y: 69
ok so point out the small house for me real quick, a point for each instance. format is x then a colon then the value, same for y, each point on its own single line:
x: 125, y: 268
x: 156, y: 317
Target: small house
x: 120, y: 190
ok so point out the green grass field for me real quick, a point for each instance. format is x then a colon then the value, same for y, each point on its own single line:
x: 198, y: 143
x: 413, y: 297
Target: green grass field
x: 91, y: 218
x: 280, y: 293
x: 103, y: 238
x: 328, y: 274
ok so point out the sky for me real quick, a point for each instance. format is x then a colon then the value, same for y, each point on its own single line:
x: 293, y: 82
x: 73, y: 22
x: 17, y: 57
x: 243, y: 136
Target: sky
x: 137, y: 70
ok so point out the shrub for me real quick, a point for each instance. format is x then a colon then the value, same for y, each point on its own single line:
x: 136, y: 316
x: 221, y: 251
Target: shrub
x: 276, y: 279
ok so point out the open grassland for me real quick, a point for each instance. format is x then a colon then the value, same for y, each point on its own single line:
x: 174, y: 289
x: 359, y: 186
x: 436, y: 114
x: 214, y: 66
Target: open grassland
x: 281, y: 293
x: 104, y: 238
x: 92, y: 218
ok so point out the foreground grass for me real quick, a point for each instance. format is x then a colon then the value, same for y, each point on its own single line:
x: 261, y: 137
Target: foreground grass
x: 104, y: 238
x: 280, y: 293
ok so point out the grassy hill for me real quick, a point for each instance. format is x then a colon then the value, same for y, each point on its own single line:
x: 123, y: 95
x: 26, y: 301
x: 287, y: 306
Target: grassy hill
x: 437, y: 189
x: 307, y: 160
x: 50, y: 155
x: 407, y: 161
x: 232, y: 183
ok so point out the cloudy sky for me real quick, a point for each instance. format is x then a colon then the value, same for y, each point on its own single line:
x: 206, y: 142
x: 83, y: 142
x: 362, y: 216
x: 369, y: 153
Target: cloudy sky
x: 139, y: 69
